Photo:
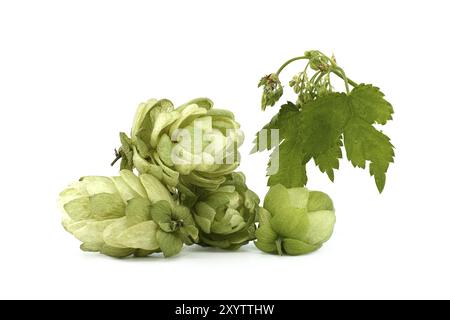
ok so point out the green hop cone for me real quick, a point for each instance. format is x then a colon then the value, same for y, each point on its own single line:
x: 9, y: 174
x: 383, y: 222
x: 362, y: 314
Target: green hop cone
x: 226, y: 216
x: 192, y: 145
x: 294, y: 221
x: 114, y: 216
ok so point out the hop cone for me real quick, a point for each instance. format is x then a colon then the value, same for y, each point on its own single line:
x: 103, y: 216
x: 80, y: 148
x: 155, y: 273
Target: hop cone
x: 192, y: 145
x: 294, y: 221
x: 126, y: 215
x: 226, y: 216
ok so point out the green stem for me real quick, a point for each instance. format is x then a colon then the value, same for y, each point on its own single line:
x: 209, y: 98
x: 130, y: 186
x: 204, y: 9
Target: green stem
x: 340, y: 73
x: 330, y: 87
x: 347, y: 88
x: 118, y: 156
x: 350, y: 81
x: 304, y: 75
x: 320, y: 77
x: 306, y: 67
x: 278, y: 244
x: 288, y: 63
x: 313, y: 79
x: 335, y: 69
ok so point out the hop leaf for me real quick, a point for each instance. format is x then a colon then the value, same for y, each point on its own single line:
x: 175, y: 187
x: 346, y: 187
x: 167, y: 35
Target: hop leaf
x: 328, y: 161
x: 369, y: 104
x: 316, y: 131
x: 364, y: 143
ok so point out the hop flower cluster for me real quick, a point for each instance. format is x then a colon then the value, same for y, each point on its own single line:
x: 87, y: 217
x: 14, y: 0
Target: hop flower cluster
x: 185, y: 190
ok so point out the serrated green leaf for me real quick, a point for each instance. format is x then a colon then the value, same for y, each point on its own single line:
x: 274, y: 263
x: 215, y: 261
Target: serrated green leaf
x: 291, y: 169
x: 369, y: 104
x: 328, y: 161
x: 287, y: 165
x: 322, y: 123
x: 288, y: 120
x: 364, y: 143
x: 316, y: 131
x: 263, y: 140
x: 281, y: 121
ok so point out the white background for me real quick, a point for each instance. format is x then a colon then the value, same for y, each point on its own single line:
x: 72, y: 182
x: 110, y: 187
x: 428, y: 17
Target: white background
x: 72, y: 73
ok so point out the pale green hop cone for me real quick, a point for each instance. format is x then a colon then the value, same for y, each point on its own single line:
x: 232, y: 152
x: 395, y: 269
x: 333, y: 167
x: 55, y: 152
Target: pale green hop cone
x: 294, y: 221
x: 114, y: 215
x: 194, y: 144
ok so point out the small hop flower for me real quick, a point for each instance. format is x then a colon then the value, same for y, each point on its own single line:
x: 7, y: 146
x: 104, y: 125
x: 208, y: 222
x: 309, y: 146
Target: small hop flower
x: 272, y: 90
x: 317, y: 61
